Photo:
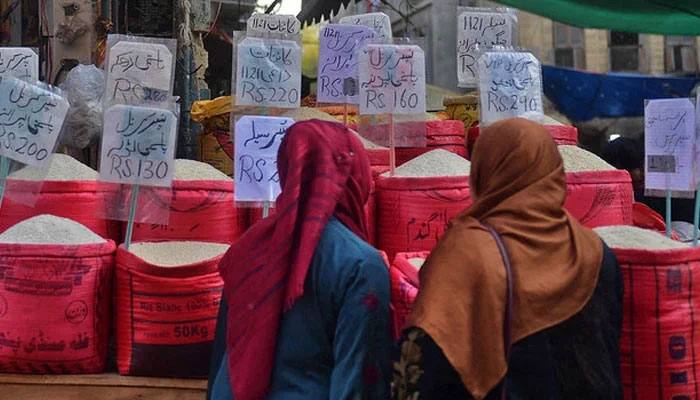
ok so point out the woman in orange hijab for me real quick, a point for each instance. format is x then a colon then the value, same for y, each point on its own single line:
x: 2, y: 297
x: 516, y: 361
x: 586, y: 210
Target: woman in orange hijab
x: 560, y: 306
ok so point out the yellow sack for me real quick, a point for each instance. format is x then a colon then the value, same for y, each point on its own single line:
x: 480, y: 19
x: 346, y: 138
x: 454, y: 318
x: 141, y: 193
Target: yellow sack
x: 309, y: 50
x: 463, y: 108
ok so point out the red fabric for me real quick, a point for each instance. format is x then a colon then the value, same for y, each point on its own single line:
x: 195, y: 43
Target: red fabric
x: 76, y: 200
x: 200, y: 211
x: 600, y: 198
x: 55, y: 308
x: 414, y: 212
x: 324, y: 171
x: 404, y: 288
x: 562, y: 134
x: 165, y: 317
x: 645, y: 217
x: 659, y: 345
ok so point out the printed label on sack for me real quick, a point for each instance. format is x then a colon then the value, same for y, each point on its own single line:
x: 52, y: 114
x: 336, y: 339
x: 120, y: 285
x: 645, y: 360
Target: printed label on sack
x: 338, y: 61
x: 133, y: 68
x: 510, y: 85
x: 31, y: 119
x: 476, y: 31
x: 256, y: 144
x: 392, y: 79
x: 273, y: 23
x: 19, y: 62
x: 138, y: 146
x: 378, y: 22
x: 669, y: 141
x: 268, y: 73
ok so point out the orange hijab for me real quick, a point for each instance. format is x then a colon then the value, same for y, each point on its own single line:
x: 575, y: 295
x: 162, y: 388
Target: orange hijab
x: 519, y: 185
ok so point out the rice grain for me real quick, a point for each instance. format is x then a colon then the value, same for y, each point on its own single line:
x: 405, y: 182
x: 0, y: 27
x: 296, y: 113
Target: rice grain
x: 63, y: 168
x: 417, y: 262
x: 433, y: 164
x: 174, y: 254
x: 190, y: 170
x: 631, y: 237
x: 577, y: 159
x: 50, y: 229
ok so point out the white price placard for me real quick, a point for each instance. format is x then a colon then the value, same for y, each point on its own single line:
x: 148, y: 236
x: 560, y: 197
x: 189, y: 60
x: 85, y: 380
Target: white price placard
x: 138, y: 146
x: 476, y: 31
x: 669, y: 142
x: 139, y: 72
x: 31, y: 118
x: 257, y: 140
x: 510, y: 85
x: 268, y: 73
x: 378, y: 22
x: 273, y: 23
x: 338, y: 62
x: 392, y: 79
x: 19, y: 62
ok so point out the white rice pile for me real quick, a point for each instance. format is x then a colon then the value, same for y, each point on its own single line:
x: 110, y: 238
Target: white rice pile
x: 173, y: 254
x: 189, y: 170
x: 631, y: 237
x: 307, y: 113
x: 49, y: 229
x: 63, y: 168
x: 577, y: 159
x: 416, y: 262
x: 434, y: 163
x: 551, y: 121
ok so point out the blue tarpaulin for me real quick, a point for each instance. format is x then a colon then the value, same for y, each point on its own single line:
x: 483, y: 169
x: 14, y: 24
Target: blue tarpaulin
x: 582, y: 96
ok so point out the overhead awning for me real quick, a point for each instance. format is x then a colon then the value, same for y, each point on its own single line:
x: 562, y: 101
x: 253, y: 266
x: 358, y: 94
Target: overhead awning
x: 666, y: 17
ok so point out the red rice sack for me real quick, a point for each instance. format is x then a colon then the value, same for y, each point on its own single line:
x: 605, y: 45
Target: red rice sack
x: 562, y: 134
x: 76, y: 200
x: 447, y: 135
x: 199, y: 211
x: 404, y: 288
x: 660, y: 342
x: 414, y: 212
x: 165, y: 316
x: 55, y: 307
x: 378, y: 161
x: 600, y: 198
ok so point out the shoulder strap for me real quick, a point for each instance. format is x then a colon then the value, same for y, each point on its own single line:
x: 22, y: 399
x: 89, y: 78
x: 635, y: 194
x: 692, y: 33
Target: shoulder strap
x: 508, y: 317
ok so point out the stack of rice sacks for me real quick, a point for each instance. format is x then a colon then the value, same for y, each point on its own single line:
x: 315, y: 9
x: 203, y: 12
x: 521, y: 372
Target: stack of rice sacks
x: 446, y: 135
x: 55, y: 297
x: 166, y: 305
x: 201, y: 208
x: 70, y: 190
x: 660, y: 344
x: 415, y: 206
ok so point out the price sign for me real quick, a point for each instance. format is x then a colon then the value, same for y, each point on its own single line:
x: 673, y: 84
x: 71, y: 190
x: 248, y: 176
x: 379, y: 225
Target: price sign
x: 256, y: 144
x: 338, y: 62
x: 19, y: 62
x: 480, y: 30
x: 378, y: 22
x: 510, y: 85
x: 669, y: 141
x: 268, y: 73
x: 138, y: 146
x: 30, y: 121
x: 138, y: 72
x: 392, y: 79
x: 273, y: 23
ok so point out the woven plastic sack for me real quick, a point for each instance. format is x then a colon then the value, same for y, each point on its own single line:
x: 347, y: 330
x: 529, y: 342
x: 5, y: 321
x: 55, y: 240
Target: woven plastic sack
x: 76, y: 200
x: 165, y: 317
x: 660, y: 342
x: 404, y: 289
x: 216, y: 149
x: 55, y: 308
x: 413, y: 213
x: 562, y: 134
x: 600, y: 198
x: 446, y: 135
x: 199, y: 211
x: 646, y: 218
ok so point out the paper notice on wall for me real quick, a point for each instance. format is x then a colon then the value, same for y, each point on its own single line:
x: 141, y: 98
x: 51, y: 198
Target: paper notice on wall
x: 139, y: 72
x: 510, y: 85
x: 257, y: 140
x: 338, y: 62
x: 138, y: 146
x: 378, y: 22
x: 273, y: 23
x: 19, y: 62
x: 392, y: 79
x: 268, y: 73
x: 669, y: 142
x: 476, y: 31
x: 31, y: 119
